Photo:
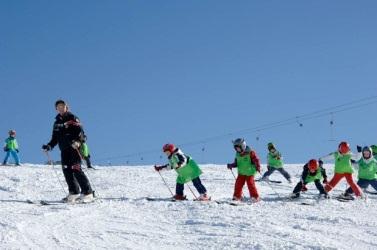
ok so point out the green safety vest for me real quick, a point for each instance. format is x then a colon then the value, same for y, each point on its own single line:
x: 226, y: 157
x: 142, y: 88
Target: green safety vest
x: 84, y: 150
x: 273, y: 161
x: 186, y: 173
x: 343, y: 163
x: 312, y: 178
x: 368, y: 170
x: 11, y: 143
x: 244, y: 165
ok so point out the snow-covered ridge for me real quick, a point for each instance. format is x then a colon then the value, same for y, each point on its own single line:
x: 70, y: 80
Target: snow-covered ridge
x: 123, y: 219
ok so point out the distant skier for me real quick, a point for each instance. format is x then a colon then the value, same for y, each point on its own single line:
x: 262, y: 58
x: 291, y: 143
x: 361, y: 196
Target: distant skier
x: 187, y: 170
x: 11, y: 148
x: 85, y: 153
x: 312, y: 172
x: 275, y: 162
x: 367, y: 166
x: 343, y: 168
x: 247, y: 164
x: 67, y: 132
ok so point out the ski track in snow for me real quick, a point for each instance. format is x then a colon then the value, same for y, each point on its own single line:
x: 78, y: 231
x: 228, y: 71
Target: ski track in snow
x: 123, y: 219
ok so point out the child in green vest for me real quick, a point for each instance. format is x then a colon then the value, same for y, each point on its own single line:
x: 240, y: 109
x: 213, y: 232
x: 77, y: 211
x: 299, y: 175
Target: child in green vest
x: 312, y: 172
x: 11, y: 148
x: 343, y: 168
x: 275, y: 162
x: 187, y: 170
x: 85, y: 153
x: 367, y: 172
x: 247, y: 164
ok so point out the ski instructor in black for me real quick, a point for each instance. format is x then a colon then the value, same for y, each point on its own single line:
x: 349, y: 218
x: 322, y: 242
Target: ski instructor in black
x: 68, y: 133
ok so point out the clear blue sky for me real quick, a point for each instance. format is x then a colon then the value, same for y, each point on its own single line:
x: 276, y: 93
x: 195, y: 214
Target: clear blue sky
x: 143, y: 73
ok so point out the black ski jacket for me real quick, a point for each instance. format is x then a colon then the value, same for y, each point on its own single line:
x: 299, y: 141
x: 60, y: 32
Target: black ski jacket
x: 66, y: 130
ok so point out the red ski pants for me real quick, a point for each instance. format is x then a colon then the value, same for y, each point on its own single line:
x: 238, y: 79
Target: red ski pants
x: 349, y: 179
x: 240, y: 182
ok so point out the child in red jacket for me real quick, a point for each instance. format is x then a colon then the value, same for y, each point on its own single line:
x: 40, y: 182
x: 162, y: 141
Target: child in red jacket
x: 247, y: 164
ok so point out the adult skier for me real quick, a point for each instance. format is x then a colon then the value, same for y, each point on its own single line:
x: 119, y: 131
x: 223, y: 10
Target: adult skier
x: 68, y: 133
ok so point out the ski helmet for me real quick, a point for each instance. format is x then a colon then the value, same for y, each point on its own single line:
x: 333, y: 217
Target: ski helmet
x: 12, y: 132
x: 60, y: 101
x: 367, y: 149
x: 239, y: 143
x: 344, y: 147
x: 270, y: 146
x: 374, y: 149
x: 168, y: 147
x: 313, y: 165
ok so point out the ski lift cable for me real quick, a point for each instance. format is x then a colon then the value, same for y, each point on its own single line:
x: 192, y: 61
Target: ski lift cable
x: 267, y: 126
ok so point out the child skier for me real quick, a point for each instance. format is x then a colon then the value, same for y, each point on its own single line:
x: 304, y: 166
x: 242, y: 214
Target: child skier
x: 247, y: 164
x: 343, y: 168
x: 367, y: 172
x: 187, y: 170
x: 312, y: 172
x: 11, y: 148
x: 84, y: 151
x: 275, y: 162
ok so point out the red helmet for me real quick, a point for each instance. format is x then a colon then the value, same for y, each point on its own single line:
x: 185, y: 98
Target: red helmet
x: 168, y: 147
x: 344, y: 147
x: 313, y: 165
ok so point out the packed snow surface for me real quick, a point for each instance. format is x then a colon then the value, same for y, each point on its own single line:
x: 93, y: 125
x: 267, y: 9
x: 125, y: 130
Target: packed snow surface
x: 123, y: 219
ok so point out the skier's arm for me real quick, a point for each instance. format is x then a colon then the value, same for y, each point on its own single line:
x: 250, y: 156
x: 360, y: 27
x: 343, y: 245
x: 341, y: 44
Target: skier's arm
x: 305, y: 173
x: 232, y: 165
x: 328, y: 157
x: 54, y: 138
x: 323, y: 171
x: 255, y: 160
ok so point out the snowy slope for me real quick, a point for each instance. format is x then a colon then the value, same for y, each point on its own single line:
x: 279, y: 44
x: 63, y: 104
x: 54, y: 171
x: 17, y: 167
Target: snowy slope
x: 122, y: 219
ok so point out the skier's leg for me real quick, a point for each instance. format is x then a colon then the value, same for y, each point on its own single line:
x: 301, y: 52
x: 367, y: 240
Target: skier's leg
x: 199, y: 186
x: 15, y: 157
x: 298, y: 188
x: 73, y: 186
x: 88, y: 163
x: 335, y: 179
x: 373, y: 183
x: 6, y: 157
x: 252, y: 188
x: 354, y: 186
x: 319, y: 186
x: 179, y: 189
x: 285, y: 174
x: 240, y: 181
x: 270, y: 170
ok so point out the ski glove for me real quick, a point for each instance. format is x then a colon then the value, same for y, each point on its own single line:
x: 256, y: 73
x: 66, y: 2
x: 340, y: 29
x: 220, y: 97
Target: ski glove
x: 359, y: 148
x: 158, y: 168
x: 75, y: 144
x: 17, y: 150
x: 324, y: 181
x: 320, y: 162
x: 230, y: 165
x: 46, y: 147
x: 6, y: 149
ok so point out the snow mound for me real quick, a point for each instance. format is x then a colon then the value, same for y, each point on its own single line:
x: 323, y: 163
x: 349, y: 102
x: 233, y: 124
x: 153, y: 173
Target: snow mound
x: 123, y: 219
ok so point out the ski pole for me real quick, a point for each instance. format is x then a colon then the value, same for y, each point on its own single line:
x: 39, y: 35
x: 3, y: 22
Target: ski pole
x: 56, y: 173
x: 192, y: 192
x: 163, y: 179
x: 88, y: 176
